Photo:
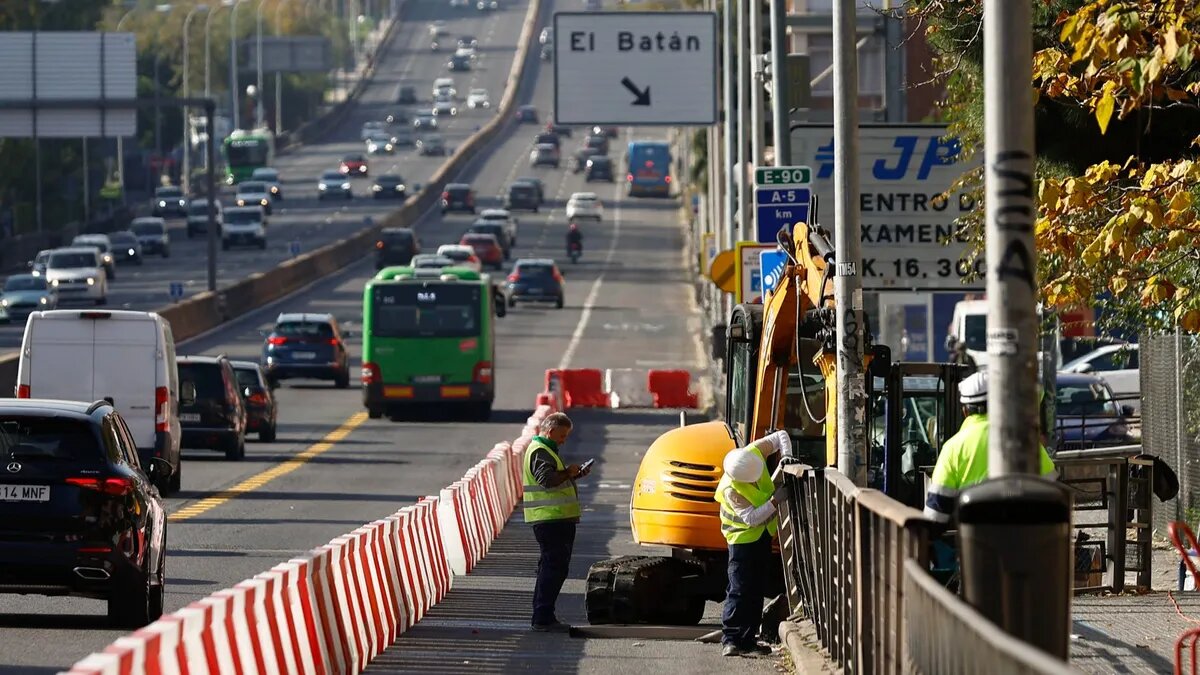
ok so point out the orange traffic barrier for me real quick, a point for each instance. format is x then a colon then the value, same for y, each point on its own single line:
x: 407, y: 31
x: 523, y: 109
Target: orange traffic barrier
x: 671, y: 388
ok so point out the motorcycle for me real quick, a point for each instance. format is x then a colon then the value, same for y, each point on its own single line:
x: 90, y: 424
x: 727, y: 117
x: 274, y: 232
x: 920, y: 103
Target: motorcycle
x: 547, y: 52
x: 574, y: 250
x: 433, y: 46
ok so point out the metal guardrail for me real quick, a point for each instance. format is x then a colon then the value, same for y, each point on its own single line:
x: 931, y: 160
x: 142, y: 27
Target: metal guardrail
x: 855, y: 564
x: 950, y: 636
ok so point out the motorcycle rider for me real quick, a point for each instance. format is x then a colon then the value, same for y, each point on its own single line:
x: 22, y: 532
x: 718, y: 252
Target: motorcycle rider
x: 574, y: 238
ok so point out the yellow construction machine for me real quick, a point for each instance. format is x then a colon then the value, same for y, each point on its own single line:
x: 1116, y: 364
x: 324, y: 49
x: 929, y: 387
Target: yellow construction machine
x: 780, y: 374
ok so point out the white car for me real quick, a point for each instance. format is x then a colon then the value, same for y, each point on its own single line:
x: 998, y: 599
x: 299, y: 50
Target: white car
x: 271, y: 177
x: 478, y: 98
x: 463, y: 256
x: 547, y: 36
x: 460, y: 3
x: 381, y: 144
x: 423, y: 261
x: 465, y: 53
x: 77, y: 273
x: 505, y: 218
x: 101, y: 243
x: 254, y: 193
x: 371, y: 128
x: 584, y: 205
x: 444, y: 86
x: 445, y: 106
x: 1117, y: 365
x: 244, y: 225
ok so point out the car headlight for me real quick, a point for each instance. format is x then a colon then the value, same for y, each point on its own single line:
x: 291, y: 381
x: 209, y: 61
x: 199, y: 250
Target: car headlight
x: 54, y: 283
x: 345, y: 186
x: 322, y: 186
x: 362, y: 169
x: 3, y: 302
x: 389, y: 147
x: 162, y: 203
x: 182, y: 203
x: 107, y: 258
x: 400, y: 188
x: 91, y: 281
x: 376, y: 188
x: 132, y: 252
x: 274, y: 189
x: 241, y: 202
x: 44, y: 300
x: 263, y: 201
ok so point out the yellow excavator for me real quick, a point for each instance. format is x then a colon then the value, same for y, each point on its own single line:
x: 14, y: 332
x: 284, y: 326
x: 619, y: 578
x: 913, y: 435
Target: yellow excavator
x: 780, y: 374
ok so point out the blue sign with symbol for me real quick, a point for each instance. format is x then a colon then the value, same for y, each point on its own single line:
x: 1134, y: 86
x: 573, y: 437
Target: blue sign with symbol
x: 176, y: 290
x: 778, y: 208
x: 772, y: 264
x: 294, y: 247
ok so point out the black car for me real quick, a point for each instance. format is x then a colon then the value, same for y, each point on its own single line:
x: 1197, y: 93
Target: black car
x: 399, y: 117
x: 535, y: 280
x: 611, y: 132
x: 458, y: 197
x: 262, y: 411
x: 467, y: 41
x: 522, y: 196
x: 169, y: 200
x: 527, y: 113
x: 549, y: 138
x: 580, y: 158
x: 79, y: 514
x: 459, y: 63
x: 598, y: 167
x: 598, y: 142
x: 211, y: 411
x: 126, y: 247
x: 305, y: 345
x: 493, y: 228
x: 558, y: 129
x: 538, y: 185
x: 406, y: 94
x: 389, y: 186
x: 396, y: 246
x: 152, y: 234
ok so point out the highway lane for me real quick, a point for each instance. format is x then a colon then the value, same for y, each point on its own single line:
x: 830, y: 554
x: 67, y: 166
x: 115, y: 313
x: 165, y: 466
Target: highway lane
x: 373, y: 467
x: 301, y: 217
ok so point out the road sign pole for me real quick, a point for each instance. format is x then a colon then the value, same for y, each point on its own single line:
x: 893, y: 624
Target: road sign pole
x: 847, y: 288
x: 729, y: 203
x: 757, y: 95
x: 781, y: 114
x: 745, y: 160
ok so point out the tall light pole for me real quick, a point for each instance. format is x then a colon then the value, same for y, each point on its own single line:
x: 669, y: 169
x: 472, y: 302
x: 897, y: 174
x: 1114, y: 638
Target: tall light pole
x: 258, y: 106
x: 121, y: 139
x: 278, y: 75
x: 233, y: 65
x: 186, y: 180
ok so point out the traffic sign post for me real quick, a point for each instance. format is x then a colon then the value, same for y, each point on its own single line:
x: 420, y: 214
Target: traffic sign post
x: 782, y: 197
x: 294, y: 247
x: 749, y: 271
x: 176, y: 291
x: 635, y: 68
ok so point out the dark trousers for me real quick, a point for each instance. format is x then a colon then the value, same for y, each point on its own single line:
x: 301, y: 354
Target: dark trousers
x: 749, y: 568
x: 555, y: 540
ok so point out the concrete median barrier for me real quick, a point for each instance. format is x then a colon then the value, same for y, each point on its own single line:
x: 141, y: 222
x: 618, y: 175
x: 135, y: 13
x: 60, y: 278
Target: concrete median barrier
x: 207, y: 310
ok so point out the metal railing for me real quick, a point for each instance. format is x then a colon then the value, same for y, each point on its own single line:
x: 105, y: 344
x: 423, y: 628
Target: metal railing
x: 950, y: 636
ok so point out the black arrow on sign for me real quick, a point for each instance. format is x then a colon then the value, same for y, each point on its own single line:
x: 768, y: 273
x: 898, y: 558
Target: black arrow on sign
x: 643, y: 97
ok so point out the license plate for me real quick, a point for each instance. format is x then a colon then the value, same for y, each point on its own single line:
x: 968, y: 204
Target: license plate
x: 24, y: 493
x: 189, y: 417
x: 305, y: 355
x: 427, y: 379
x: 535, y: 291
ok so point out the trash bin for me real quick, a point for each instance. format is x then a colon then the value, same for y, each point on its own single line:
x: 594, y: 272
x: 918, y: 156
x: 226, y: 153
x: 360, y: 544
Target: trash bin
x: 1014, y: 542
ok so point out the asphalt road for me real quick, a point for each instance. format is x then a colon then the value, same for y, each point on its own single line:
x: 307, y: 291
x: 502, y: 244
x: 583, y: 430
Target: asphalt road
x: 628, y: 304
x: 301, y: 218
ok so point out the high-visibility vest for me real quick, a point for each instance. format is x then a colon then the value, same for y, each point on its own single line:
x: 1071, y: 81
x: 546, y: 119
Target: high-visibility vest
x: 544, y: 504
x: 735, y: 530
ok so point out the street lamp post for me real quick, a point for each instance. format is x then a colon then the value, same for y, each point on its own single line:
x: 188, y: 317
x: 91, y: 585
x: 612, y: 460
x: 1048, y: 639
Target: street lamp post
x: 279, y: 75
x: 186, y: 180
x: 258, y: 107
x: 121, y: 139
x: 233, y: 65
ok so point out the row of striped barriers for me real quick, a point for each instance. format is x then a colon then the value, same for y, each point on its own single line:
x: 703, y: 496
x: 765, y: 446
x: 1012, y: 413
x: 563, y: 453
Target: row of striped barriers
x: 331, y: 611
x: 618, y: 388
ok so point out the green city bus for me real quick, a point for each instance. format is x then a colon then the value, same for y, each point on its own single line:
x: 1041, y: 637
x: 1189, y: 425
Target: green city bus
x: 246, y: 151
x: 429, y: 337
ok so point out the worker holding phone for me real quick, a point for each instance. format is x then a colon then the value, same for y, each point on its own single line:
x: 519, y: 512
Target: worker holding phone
x: 551, y: 506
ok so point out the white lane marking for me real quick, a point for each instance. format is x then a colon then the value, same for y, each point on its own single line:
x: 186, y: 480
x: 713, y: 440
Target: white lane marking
x: 590, y: 302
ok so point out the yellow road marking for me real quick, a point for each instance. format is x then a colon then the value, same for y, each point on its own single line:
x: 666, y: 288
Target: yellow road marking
x: 282, y: 469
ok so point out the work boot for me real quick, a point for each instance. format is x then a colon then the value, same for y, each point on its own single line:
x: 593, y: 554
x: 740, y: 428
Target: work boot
x: 556, y: 627
x: 733, y: 650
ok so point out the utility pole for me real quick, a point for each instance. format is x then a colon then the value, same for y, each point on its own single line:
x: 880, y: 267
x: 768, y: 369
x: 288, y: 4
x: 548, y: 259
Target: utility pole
x: 781, y: 112
x: 745, y: 160
x: 729, y: 204
x: 757, y: 94
x: 847, y: 284
x: 1011, y: 258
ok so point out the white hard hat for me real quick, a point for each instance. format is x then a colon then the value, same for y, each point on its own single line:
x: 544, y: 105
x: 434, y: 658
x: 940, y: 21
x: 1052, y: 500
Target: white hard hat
x: 743, y: 465
x: 974, y: 389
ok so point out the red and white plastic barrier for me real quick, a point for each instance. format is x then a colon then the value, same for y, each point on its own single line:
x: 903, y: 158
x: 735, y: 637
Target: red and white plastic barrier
x: 618, y: 388
x: 333, y: 610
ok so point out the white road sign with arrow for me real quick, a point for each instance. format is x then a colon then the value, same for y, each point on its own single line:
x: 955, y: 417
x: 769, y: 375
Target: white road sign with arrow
x: 635, y: 68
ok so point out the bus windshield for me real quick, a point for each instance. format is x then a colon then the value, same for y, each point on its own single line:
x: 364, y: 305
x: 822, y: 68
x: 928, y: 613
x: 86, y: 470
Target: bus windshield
x: 426, y: 310
x: 246, y: 152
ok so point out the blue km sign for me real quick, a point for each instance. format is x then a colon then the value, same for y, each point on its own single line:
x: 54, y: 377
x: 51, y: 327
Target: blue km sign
x: 294, y: 247
x: 176, y: 290
x: 772, y: 263
x: 777, y: 208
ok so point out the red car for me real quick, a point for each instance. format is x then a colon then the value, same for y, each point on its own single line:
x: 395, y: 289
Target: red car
x: 486, y: 247
x: 353, y: 165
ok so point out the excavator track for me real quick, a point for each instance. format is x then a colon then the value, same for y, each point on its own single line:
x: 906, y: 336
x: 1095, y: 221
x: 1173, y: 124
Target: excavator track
x: 645, y: 589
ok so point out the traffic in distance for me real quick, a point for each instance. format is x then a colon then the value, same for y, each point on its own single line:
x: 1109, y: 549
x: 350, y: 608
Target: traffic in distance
x: 106, y: 406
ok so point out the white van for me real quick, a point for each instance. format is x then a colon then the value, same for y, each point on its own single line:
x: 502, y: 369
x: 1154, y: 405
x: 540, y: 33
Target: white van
x: 125, y: 356
x: 969, y: 326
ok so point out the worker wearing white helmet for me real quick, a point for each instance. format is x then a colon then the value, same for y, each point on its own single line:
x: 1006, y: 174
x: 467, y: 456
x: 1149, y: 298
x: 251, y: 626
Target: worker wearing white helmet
x: 748, y: 523
x: 963, y: 461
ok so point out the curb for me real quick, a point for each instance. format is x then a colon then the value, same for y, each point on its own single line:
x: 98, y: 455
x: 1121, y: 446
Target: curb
x: 800, y: 640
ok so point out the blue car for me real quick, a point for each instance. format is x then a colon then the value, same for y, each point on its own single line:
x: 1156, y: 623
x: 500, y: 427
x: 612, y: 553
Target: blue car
x: 307, y: 346
x: 1088, y: 415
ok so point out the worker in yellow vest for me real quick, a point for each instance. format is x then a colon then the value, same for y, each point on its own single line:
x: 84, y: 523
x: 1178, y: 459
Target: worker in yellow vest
x: 551, y: 506
x: 746, y: 495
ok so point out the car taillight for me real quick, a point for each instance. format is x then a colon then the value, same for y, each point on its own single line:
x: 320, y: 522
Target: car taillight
x: 470, y: 199
x: 379, y: 244
x: 162, y: 403
x: 257, y: 398
x: 446, y: 195
x: 370, y: 373
x: 23, y: 391
x: 668, y: 180
x: 483, y: 372
x: 628, y: 178
x: 277, y: 340
x: 109, y: 486
x: 558, y: 276
x: 333, y: 342
x: 514, y: 277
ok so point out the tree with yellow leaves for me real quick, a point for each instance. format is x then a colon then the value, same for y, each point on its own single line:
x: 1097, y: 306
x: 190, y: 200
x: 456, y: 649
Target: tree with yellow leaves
x: 1118, y: 126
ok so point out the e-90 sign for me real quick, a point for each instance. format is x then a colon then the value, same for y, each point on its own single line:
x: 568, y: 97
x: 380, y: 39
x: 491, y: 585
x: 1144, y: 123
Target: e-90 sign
x: 783, y: 175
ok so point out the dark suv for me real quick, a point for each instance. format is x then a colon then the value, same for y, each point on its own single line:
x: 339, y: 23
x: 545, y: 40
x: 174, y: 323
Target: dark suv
x: 306, y: 346
x: 458, y: 197
x: 522, y: 196
x: 535, y: 280
x: 396, y: 246
x: 262, y: 411
x: 211, y: 411
x: 598, y: 167
x: 78, y: 514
